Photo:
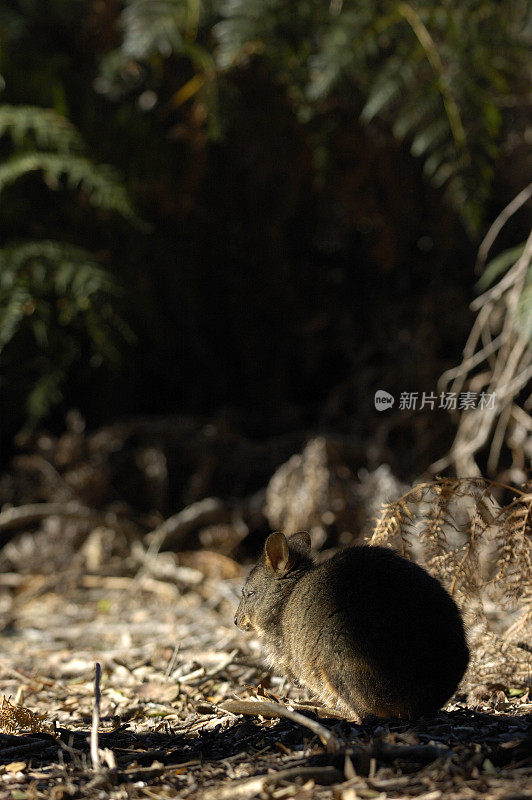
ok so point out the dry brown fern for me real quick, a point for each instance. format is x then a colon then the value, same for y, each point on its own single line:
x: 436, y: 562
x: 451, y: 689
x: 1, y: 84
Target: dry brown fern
x: 18, y: 719
x: 483, y: 554
x: 313, y: 490
x: 514, y: 553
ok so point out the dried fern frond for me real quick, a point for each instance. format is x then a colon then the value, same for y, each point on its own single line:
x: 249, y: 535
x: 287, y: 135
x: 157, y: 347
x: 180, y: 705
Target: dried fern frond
x: 18, y: 719
x: 438, y: 521
x: 514, y: 546
x: 494, y: 660
x: 511, y: 584
x: 442, y: 523
x: 520, y: 631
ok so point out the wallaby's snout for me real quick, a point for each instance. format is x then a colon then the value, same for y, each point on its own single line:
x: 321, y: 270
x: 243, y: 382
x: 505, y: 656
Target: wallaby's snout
x: 242, y: 620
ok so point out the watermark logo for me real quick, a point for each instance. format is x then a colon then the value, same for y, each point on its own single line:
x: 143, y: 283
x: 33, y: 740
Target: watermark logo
x: 383, y: 400
x: 449, y: 401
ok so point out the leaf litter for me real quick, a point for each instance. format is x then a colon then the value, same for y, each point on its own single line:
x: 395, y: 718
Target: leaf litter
x: 173, y: 665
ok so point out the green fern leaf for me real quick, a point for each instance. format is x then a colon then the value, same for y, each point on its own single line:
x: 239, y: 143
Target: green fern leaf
x: 100, y: 183
x: 498, y: 265
x: 427, y: 139
x: 30, y: 125
x: 523, y: 321
x: 66, y: 302
x: 153, y: 27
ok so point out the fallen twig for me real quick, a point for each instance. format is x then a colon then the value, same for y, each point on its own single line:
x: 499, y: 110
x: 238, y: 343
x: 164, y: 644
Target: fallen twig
x: 209, y: 511
x: 19, y: 516
x: 321, y: 711
x: 272, y: 710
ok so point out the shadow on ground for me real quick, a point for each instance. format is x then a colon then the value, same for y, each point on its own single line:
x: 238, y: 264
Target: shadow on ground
x: 461, y: 742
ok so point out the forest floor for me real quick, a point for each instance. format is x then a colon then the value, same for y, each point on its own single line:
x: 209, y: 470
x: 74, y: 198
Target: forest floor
x: 170, y: 657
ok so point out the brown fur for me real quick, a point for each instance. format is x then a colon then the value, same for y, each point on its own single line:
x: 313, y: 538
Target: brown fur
x: 367, y: 631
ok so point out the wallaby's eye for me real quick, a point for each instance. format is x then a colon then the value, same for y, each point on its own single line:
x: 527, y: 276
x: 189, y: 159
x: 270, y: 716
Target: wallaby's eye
x: 250, y: 594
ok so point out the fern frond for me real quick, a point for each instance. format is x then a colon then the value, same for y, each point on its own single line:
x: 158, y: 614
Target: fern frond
x: 444, y: 523
x: 153, y: 27
x: 412, y: 113
x: 30, y: 126
x: 14, y: 310
x: 46, y: 393
x: 34, y: 270
x: 439, y: 78
x: 100, y: 183
x: 514, y: 552
x: 59, y: 295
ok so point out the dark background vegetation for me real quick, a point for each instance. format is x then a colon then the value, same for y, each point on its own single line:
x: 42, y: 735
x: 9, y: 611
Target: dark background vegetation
x: 290, y: 217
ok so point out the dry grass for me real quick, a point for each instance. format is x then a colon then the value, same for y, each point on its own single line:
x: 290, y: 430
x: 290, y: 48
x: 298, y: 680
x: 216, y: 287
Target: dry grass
x: 497, y: 360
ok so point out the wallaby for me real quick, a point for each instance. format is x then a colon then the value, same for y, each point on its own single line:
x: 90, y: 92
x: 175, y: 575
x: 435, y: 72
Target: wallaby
x: 367, y: 631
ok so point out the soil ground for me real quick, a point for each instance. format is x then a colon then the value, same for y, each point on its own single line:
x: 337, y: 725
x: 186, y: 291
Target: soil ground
x: 170, y: 655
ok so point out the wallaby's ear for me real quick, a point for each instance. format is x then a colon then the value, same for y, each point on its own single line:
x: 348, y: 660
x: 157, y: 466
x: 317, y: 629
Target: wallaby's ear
x: 276, y: 553
x: 300, y: 542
